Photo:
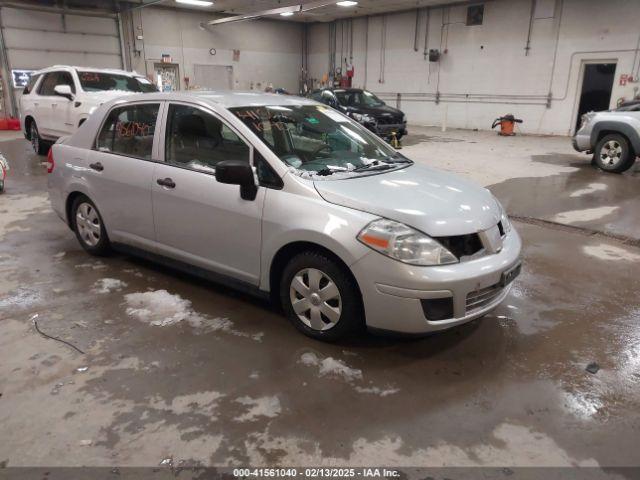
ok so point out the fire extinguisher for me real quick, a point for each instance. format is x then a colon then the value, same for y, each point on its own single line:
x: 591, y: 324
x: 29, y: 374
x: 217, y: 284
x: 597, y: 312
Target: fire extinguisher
x: 506, y: 124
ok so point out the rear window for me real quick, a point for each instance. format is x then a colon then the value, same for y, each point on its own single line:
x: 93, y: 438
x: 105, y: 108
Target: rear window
x: 101, y: 82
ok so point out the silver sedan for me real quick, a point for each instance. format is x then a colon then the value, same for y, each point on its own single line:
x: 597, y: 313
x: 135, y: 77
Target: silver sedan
x: 287, y: 198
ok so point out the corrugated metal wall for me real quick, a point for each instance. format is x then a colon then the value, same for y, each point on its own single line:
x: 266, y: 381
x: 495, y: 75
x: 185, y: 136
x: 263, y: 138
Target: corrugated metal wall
x: 37, y: 39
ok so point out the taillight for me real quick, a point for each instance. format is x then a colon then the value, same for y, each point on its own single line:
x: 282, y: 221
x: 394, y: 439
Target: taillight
x: 50, y: 161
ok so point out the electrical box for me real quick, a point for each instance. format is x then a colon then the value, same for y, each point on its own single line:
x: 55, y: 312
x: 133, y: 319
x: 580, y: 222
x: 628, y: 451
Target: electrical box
x: 434, y: 55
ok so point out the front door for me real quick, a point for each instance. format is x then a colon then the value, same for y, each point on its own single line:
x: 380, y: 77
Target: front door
x: 197, y: 219
x: 597, y: 83
x: 121, y: 171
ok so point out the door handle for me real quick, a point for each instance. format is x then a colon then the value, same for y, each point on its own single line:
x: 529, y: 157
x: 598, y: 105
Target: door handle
x: 166, y: 182
x: 96, y: 166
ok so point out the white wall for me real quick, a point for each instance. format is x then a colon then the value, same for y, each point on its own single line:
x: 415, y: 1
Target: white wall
x: 484, y: 72
x: 270, y: 51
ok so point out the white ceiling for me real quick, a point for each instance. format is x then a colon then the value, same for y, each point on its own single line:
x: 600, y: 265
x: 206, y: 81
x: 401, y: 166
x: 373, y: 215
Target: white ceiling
x: 322, y: 14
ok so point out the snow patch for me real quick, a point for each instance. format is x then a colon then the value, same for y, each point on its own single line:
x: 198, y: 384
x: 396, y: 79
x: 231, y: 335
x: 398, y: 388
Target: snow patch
x: 610, y: 253
x: 377, y: 390
x: 108, y: 285
x: 591, y: 188
x: 259, y: 407
x: 586, y: 215
x: 330, y: 366
x: 161, y: 309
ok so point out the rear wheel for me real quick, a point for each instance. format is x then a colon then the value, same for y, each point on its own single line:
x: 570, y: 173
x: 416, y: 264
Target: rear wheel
x: 614, y: 154
x: 320, y: 298
x: 40, y: 146
x: 89, y: 227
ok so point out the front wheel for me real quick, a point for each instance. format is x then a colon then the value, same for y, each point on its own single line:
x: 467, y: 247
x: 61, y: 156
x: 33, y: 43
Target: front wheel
x: 39, y: 146
x: 320, y: 297
x: 614, y: 154
x: 89, y: 227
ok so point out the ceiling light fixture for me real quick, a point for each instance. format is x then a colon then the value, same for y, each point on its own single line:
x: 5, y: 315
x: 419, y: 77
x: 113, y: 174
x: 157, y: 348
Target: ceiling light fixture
x: 347, y: 3
x: 197, y: 3
x: 286, y: 14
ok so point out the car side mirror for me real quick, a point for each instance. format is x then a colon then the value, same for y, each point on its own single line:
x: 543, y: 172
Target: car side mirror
x: 238, y: 172
x: 63, y: 91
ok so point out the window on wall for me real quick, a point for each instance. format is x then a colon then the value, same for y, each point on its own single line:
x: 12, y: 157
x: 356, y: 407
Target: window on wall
x: 475, y: 15
x: 197, y: 140
x: 129, y: 131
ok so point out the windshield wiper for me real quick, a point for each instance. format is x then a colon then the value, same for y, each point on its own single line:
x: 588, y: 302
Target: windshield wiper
x: 373, y: 166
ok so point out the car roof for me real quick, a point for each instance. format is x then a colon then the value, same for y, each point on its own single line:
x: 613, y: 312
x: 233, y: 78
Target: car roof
x: 227, y: 99
x: 54, y: 68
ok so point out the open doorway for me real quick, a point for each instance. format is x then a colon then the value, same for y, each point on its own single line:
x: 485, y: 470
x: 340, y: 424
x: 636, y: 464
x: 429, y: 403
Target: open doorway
x: 597, y: 82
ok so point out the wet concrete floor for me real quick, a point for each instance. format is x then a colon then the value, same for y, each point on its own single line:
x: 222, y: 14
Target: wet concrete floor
x: 178, y: 368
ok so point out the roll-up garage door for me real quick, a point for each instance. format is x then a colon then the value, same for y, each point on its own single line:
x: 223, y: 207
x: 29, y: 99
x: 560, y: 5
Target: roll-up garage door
x: 36, y: 39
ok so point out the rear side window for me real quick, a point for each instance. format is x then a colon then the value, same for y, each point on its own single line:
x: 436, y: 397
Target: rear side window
x: 197, y: 140
x: 32, y: 83
x: 129, y: 131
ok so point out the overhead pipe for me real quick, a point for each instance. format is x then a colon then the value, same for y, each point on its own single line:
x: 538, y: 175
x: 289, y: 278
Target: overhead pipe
x: 415, y: 32
x: 383, y: 46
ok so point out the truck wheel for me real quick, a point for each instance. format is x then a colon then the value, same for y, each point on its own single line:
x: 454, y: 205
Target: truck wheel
x: 39, y: 146
x: 614, y: 154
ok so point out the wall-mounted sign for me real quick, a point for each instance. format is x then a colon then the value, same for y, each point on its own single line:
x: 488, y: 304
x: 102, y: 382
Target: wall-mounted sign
x: 166, y: 58
x: 21, y: 77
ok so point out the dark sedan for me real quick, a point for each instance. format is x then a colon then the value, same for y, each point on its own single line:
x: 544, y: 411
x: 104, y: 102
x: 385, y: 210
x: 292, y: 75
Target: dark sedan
x: 367, y: 109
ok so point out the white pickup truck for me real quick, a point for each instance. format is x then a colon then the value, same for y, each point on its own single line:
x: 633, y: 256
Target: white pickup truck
x: 59, y: 99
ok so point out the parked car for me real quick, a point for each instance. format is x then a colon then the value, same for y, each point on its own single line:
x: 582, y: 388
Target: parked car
x: 612, y: 136
x: 286, y: 197
x: 57, y: 100
x: 365, y: 108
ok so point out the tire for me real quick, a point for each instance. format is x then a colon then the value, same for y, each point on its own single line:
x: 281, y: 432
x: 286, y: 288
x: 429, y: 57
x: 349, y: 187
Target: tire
x: 304, y: 279
x: 39, y: 146
x: 89, y: 227
x: 614, y: 154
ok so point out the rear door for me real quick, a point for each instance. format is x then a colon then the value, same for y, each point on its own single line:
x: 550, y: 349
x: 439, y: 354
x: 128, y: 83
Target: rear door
x: 197, y: 219
x: 121, y: 170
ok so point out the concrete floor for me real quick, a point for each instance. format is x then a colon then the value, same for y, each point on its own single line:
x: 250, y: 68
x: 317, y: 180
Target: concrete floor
x: 230, y: 382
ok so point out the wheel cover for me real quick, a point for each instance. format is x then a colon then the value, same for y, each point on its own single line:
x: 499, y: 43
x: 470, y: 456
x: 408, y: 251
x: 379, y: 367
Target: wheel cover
x: 611, y: 153
x: 315, y: 299
x: 88, y: 224
x: 35, y: 138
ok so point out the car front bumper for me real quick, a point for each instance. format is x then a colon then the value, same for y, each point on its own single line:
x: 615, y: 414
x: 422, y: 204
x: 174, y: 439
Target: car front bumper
x: 395, y: 294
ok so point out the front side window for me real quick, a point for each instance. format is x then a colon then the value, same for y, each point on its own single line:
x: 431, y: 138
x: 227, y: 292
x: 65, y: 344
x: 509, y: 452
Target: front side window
x: 318, y: 140
x: 101, y: 82
x: 49, y: 83
x: 358, y: 98
x: 129, y: 131
x: 197, y: 140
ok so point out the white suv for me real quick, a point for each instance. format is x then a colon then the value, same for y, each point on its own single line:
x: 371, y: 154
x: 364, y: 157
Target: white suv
x: 59, y: 99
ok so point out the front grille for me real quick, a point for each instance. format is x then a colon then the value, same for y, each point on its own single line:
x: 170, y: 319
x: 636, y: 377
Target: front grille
x: 462, y: 245
x: 479, y: 299
x: 388, y: 120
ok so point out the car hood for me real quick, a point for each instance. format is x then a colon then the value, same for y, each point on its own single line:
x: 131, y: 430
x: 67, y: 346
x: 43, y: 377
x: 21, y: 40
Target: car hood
x: 384, y: 110
x: 434, y: 202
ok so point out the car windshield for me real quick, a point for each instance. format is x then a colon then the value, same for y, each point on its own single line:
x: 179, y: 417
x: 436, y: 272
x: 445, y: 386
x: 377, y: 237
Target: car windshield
x: 318, y: 141
x: 101, y: 81
x: 358, y: 98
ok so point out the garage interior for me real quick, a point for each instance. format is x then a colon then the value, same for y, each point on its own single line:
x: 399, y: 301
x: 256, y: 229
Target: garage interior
x: 549, y: 378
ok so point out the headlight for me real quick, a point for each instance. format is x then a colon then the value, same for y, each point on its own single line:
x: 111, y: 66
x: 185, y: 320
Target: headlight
x: 363, y: 118
x: 504, y: 218
x: 405, y: 244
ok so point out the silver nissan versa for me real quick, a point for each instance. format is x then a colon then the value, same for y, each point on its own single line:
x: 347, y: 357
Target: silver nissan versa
x: 288, y: 197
